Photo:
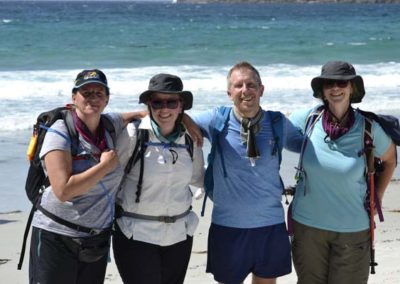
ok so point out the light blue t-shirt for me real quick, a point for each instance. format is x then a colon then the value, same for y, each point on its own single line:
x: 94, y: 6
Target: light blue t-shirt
x: 248, y: 197
x: 333, y: 189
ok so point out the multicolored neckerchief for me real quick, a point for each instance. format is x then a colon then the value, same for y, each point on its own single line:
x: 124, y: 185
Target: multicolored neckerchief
x: 335, y: 128
x: 99, y: 140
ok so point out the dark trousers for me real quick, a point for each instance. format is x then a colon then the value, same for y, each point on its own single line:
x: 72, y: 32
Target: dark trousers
x: 144, y: 263
x: 52, y: 262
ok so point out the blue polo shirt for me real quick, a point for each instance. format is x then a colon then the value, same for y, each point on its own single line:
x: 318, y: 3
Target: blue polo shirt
x: 249, y: 196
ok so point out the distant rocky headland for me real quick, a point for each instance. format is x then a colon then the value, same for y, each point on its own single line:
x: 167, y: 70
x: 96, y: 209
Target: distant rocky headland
x: 291, y: 1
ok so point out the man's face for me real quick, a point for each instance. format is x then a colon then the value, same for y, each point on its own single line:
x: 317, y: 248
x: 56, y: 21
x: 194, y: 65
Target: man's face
x: 245, y: 92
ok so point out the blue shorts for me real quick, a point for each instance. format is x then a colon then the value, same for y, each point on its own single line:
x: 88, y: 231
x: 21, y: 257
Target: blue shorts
x: 234, y: 253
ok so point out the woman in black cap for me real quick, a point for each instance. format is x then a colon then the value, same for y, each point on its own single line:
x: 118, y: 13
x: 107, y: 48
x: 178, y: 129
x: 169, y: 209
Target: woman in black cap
x: 72, y: 226
x: 155, y: 225
x: 330, y: 222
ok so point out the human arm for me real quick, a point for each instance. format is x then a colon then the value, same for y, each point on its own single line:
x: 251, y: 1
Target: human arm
x: 193, y: 130
x: 294, y: 129
x: 197, y: 181
x: 198, y: 168
x: 129, y: 116
x: 66, y: 185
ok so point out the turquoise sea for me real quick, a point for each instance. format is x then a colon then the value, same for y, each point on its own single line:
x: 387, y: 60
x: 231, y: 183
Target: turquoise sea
x: 44, y: 44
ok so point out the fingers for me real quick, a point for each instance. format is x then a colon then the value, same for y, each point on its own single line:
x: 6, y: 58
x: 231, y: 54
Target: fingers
x: 110, y: 159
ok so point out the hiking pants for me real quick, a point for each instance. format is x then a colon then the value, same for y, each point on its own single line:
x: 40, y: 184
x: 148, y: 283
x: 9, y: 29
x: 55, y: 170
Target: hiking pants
x: 51, y: 261
x: 143, y: 263
x: 327, y: 257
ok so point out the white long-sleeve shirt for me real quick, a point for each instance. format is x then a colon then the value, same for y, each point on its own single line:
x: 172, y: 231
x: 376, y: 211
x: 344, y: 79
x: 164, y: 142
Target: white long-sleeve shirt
x: 165, y: 188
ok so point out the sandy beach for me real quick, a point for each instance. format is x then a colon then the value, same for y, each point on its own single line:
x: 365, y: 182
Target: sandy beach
x: 387, y: 246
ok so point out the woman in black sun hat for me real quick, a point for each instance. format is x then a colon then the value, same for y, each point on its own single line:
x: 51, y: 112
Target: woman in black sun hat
x: 331, y: 225
x: 155, y: 224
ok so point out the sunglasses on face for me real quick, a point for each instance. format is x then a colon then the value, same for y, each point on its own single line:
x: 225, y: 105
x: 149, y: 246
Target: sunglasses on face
x: 159, y: 104
x: 89, y: 94
x: 331, y: 83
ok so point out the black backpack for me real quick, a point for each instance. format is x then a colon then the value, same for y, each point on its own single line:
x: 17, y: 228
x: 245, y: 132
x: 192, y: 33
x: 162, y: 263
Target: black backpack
x: 36, y: 180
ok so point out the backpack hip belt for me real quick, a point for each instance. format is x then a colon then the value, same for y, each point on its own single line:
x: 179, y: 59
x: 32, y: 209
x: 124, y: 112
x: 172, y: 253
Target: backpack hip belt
x: 164, y: 219
x: 76, y: 227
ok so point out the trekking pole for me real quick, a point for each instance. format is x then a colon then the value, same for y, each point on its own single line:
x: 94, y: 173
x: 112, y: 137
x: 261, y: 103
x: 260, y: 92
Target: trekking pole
x: 371, y: 184
x: 372, y: 221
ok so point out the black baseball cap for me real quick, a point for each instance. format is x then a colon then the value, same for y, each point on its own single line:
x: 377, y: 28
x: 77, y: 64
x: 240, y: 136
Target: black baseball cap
x: 90, y: 76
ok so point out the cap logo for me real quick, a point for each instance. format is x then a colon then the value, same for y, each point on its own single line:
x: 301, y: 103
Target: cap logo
x: 91, y: 75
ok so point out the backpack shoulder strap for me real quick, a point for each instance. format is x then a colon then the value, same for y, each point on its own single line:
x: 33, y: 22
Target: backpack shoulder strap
x: 277, y: 131
x: 189, y: 145
x: 369, y: 145
x: 314, y: 115
x: 218, y: 125
x: 221, y: 119
x: 109, y: 126
x: 73, y: 134
x: 142, y: 137
x: 389, y: 124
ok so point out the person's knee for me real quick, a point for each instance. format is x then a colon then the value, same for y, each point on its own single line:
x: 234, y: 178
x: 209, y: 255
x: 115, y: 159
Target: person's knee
x: 259, y: 280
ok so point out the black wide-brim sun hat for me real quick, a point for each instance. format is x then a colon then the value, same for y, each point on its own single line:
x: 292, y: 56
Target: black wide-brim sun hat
x: 167, y: 84
x: 339, y: 70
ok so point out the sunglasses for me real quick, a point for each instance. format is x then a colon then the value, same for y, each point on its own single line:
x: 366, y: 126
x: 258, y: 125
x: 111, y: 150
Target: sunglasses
x: 331, y: 83
x: 97, y: 94
x: 159, y: 104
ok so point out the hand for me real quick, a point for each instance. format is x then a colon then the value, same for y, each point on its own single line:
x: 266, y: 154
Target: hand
x: 109, y: 159
x: 199, y: 193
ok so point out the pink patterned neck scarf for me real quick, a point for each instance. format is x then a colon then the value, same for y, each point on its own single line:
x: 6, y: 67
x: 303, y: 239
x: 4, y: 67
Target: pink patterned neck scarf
x: 99, y: 140
x: 335, y: 128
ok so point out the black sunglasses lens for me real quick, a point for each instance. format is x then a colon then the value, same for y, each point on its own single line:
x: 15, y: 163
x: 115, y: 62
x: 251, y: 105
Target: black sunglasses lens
x: 159, y: 104
x: 172, y: 104
x: 156, y: 104
x: 332, y: 83
x: 341, y: 83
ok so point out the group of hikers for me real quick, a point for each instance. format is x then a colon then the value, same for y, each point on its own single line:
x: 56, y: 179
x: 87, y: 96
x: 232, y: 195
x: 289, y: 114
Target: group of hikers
x: 135, y: 181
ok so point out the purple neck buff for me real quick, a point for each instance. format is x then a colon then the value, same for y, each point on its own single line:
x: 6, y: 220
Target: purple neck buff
x: 99, y: 140
x: 334, y: 127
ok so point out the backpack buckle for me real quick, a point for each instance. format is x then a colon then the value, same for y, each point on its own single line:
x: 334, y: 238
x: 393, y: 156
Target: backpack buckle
x: 167, y: 219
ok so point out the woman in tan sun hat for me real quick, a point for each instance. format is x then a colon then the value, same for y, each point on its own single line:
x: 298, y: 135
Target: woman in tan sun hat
x: 331, y: 226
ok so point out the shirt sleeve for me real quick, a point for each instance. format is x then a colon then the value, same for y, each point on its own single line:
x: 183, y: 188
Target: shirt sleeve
x: 117, y: 121
x: 126, y: 142
x: 56, y: 138
x: 204, y: 120
x: 293, y: 136
x: 198, y: 167
x: 299, y: 118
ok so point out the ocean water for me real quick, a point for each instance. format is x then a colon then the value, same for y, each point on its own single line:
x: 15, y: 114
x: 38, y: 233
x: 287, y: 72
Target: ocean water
x: 43, y: 45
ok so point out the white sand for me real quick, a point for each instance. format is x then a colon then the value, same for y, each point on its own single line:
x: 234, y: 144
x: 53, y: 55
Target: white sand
x: 387, y: 246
